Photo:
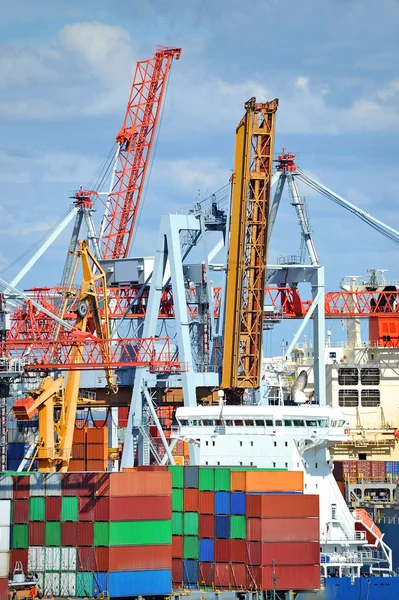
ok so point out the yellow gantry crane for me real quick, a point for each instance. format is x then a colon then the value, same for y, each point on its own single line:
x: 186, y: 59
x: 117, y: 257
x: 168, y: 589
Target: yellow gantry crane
x: 246, y: 267
x: 55, y: 404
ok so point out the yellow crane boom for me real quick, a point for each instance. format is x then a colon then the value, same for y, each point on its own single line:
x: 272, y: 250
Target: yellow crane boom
x: 246, y: 267
x: 56, y: 434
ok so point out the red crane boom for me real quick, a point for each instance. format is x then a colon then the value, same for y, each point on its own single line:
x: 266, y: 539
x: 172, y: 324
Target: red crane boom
x: 135, y: 141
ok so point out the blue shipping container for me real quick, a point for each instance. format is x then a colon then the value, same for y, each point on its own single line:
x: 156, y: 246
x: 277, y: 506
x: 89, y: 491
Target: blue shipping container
x: 140, y: 583
x: 392, y: 468
x: 191, y: 476
x: 206, y: 550
x: 190, y: 571
x: 222, y: 503
x: 222, y: 527
x: 100, y: 583
x: 238, y: 503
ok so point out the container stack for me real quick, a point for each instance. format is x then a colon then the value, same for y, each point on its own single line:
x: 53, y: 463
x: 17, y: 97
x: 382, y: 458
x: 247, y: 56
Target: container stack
x: 5, y: 525
x: 238, y: 530
x: 88, y: 533
x: 89, y: 449
x: 373, y: 470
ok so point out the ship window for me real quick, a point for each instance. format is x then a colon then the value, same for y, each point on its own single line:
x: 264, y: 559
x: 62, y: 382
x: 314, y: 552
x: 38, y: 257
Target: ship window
x: 274, y: 465
x: 183, y: 422
x: 348, y: 376
x: 370, y: 398
x: 323, y: 422
x: 249, y: 422
x: 240, y: 443
x: 229, y: 423
x: 259, y: 423
x: 190, y: 421
x: 269, y: 423
x: 286, y: 465
x: 208, y: 422
x: 370, y: 376
x: 341, y: 423
x: 287, y: 423
x: 348, y: 398
x: 286, y: 443
x: 238, y: 423
x: 196, y: 422
x: 206, y: 443
x: 299, y: 423
x: 279, y: 423
x: 311, y: 423
x: 275, y: 444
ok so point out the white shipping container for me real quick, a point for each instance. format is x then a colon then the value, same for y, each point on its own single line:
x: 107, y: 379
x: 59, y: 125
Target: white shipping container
x: 6, y: 487
x: 51, y: 584
x: 53, y: 484
x: 37, y: 484
x: 4, y: 563
x: 52, y: 559
x: 68, y: 559
x: 4, y: 538
x: 36, y: 558
x: 5, y: 513
x: 68, y: 584
x: 15, y: 436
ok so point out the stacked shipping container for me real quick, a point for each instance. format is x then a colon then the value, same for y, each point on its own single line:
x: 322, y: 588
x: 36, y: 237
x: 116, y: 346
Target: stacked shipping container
x: 89, y: 449
x: 236, y: 529
x: 86, y: 533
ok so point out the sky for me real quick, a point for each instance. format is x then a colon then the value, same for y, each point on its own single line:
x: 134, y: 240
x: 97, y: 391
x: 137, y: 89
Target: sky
x: 66, y: 69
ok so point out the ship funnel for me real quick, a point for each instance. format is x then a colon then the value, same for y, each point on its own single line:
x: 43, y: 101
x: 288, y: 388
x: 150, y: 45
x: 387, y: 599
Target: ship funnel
x: 297, y: 393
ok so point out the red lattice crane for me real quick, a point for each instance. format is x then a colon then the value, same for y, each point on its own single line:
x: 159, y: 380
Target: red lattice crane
x: 135, y: 141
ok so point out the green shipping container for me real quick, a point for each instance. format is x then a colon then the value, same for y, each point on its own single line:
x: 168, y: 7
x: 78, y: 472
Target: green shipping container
x: 238, y: 527
x: 190, y: 546
x: 37, y: 508
x: 177, y: 500
x: 190, y: 523
x: 84, y: 584
x: 222, y: 480
x: 20, y: 536
x: 101, y: 534
x: 206, y: 479
x: 69, y: 508
x: 52, y: 533
x: 140, y: 533
x: 177, y: 475
x: 177, y: 523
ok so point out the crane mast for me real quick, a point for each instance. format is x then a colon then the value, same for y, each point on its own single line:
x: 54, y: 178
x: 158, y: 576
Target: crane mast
x: 246, y: 267
x: 134, y: 145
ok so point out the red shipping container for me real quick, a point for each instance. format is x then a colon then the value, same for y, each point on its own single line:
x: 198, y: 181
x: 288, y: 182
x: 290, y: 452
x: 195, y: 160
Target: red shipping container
x: 19, y: 556
x: 238, y: 551
x: 206, y: 526
x: 85, y: 559
x: 71, y: 484
x: 123, y: 414
x: 177, y: 546
x: 290, y: 553
x: 140, y: 508
x: 140, y: 484
x: 36, y: 534
x: 79, y: 435
x: 4, y: 588
x: 282, y: 505
x: 85, y: 534
x: 283, y: 530
x: 21, y: 485
x: 101, y: 508
x: 76, y: 465
x: 97, y: 435
x: 53, y: 508
x: 86, y: 508
x: 78, y: 451
x: 254, y: 578
x: 206, y: 503
x: 239, y: 576
x: 291, y: 577
x: 101, y: 559
x: 152, y: 468
x: 254, y: 550
x: 20, y: 511
x: 222, y: 551
x: 69, y: 534
x: 191, y: 500
x: 364, y: 468
x: 97, y: 451
x: 378, y: 469
x: 139, y: 558
x: 206, y: 574
x: 223, y: 576
x: 102, y: 484
x: 96, y: 465
x: 177, y: 570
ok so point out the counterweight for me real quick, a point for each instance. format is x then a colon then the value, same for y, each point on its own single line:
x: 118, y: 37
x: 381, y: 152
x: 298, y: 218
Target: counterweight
x: 246, y: 268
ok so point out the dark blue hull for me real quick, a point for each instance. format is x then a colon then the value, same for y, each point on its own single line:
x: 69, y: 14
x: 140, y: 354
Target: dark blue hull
x: 364, y: 588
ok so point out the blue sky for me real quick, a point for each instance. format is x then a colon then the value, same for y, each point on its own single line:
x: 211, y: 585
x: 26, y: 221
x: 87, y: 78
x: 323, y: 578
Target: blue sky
x: 65, y: 76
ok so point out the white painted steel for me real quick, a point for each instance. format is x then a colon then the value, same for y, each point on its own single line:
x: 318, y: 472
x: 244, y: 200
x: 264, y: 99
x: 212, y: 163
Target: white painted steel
x: 53, y: 484
x: 68, y: 584
x: 36, y: 558
x: 37, y: 484
x: 4, y: 563
x: 52, y: 559
x: 4, y: 538
x: 5, y: 513
x: 6, y: 489
x: 68, y: 559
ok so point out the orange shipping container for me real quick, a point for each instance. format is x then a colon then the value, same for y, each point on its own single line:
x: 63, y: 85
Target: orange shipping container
x: 79, y: 435
x: 97, y: 451
x: 140, y: 484
x: 283, y: 530
x: 78, y: 451
x: 274, y: 481
x: 129, y: 558
x: 97, y: 436
x: 97, y: 465
x: 191, y: 500
x: 238, y: 481
x: 282, y: 505
x: 76, y: 465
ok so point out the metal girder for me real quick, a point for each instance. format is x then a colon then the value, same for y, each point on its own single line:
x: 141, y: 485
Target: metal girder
x: 246, y: 268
